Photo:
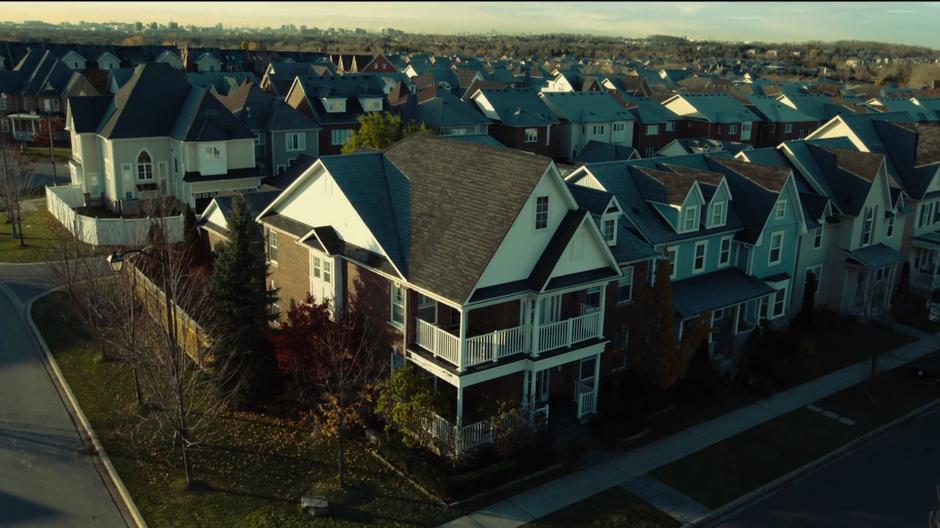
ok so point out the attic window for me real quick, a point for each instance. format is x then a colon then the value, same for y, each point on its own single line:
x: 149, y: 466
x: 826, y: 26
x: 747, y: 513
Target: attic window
x: 610, y: 230
x: 541, y: 212
x: 690, y: 221
x: 718, y: 216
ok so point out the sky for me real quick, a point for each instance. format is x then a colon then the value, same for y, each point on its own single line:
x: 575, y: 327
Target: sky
x: 897, y: 22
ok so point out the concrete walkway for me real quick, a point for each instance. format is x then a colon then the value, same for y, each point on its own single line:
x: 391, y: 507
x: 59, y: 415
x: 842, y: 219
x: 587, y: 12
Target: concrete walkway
x: 666, y: 499
x: 575, y: 487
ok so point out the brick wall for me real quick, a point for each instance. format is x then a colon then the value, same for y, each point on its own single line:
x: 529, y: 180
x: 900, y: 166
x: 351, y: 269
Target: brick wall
x: 369, y: 293
x: 291, y: 272
x: 514, y: 137
x: 495, y: 317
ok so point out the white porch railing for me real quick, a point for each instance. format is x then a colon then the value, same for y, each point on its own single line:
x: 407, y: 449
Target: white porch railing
x: 461, y: 439
x: 586, y: 399
x: 924, y: 280
x: 438, y: 341
x: 565, y: 333
x: 496, y: 345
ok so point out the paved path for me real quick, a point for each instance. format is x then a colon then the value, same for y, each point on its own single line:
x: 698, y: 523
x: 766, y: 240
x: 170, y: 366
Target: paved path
x: 572, y: 488
x: 666, y: 499
x: 889, y: 482
x: 43, y: 480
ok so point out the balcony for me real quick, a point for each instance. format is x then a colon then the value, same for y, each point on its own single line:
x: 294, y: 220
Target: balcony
x: 493, y: 346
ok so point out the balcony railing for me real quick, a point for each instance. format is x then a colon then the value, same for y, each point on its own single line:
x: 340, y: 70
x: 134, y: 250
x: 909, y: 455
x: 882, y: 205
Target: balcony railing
x: 502, y: 343
x: 461, y: 439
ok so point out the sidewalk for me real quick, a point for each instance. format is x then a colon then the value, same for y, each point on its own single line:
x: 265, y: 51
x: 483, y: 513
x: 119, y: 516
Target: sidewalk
x: 555, y: 495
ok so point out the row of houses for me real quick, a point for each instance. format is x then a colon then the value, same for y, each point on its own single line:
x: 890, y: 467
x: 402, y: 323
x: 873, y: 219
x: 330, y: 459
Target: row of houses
x: 503, y: 275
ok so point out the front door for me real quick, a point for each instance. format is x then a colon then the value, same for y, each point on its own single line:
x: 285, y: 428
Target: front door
x: 585, y: 377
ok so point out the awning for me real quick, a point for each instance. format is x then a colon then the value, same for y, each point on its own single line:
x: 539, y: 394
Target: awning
x: 874, y: 257
x: 929, y: 240
x: 691, y: 297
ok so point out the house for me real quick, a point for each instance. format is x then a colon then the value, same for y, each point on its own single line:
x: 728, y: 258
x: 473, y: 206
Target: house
x: 713, y: 116
x: 33, y: 95
x: 587, y: 116
x: 728, y: 235
x: 655, y: 125
x: 281, y: 132
x: 335, y: 103
x: 201, y: 59
x: 628, y: 85
x: 520, y: 118
x: 681, y: 147
x: 220, y: 83
x: 597, y: 152
x: 442, y: 111
x: 521, y: 317
x: 780, y: 121
x: 278, y: 77
x: 158, y: 136
x: 215, y: 219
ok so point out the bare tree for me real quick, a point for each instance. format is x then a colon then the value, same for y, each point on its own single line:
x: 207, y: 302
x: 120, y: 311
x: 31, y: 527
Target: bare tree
x: 15, y: 180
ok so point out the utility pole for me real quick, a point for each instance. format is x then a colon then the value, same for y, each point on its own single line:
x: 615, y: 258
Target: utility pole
x: 55, y: 182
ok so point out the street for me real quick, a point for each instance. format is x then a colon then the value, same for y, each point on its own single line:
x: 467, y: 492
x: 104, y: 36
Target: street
x: 889, y: 482
x: 43, y: 479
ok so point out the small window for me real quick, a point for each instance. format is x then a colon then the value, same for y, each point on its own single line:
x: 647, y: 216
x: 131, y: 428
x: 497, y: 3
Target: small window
x: 259, y: 138
x: 531, y: 135
x: 724, y: 252
x: 295, y: 142
x: 317, y: 267
x: 732, y: 129
x: 398, y: 305
x: 776, y: 248
x: 818, y: 237
x: 868, y: 226
x: 598, y: 130
x: 698, y: 263
x: 690, y: 221
x: 280, y: 169
x: 625, y: 286
x: 674, y: 258
x: 889, y: 230
x: 780, y: 302
x: 652, y: 130
x: 670, y: 126
x: 541, y: 212
x: 213, y: 153
x: 718, y: 214
x: 272, y: 246
x: 787, y: 128
x: 648, y: 152
x: 619, y: 127
x: 610, y: 231
x: 925, y: 211
x: 328, y: 271
x: 340, y: 137
x: 144, y: 166
x: 780, y: 211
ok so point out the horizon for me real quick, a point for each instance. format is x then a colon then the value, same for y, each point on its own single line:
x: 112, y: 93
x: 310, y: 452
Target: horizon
x: 902, y: 23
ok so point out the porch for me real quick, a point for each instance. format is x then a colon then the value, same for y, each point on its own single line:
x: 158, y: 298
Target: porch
x: 925, y: 263
x: 24, y: 127
x: 523, y: 327
x: 872, y: 273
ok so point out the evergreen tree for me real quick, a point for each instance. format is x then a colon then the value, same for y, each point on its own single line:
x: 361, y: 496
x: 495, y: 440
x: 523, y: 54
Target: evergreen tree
x: 238, y: 301
x: 191, y: 238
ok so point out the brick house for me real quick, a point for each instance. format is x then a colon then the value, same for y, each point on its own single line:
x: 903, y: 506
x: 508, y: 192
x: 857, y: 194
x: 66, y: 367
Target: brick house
x: 520, y: 118
x: 714, y: 116
x: 655, y: 125
x: 502, y: 294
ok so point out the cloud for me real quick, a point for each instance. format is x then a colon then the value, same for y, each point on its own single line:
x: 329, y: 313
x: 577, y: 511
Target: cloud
x: 691, y: 8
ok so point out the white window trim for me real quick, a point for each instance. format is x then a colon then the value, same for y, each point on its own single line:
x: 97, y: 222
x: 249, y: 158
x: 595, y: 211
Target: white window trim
x: 780, y: 210
x: 701, y: 244
x: 788, y: 128
x: 300, y: 141
x: 722, y: 219
x: 822, y: 234
x: 770, y: 249
x: 686, y: 216
x: 721, y: 242
x: 534, y: 138
x: 674, y: 256
x: 651, y: 130
x: 272, y: 233
x: 612, y: 241
x: 391, y: 305
x: 537, y: 213
x: 670, y: 126
x: 626, y: 272
x: 889, y: 228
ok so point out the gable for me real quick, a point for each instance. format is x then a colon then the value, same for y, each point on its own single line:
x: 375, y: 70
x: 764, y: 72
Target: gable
x: 585, y: 251
x: 837, y: 128
x: 680, y: 106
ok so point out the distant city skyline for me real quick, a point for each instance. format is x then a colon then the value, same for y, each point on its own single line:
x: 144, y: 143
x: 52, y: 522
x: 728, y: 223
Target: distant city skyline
x: 914, y: 23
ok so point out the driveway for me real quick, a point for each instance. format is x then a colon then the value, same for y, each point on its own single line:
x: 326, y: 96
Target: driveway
x: 889, y: 482
x: 43, y: 480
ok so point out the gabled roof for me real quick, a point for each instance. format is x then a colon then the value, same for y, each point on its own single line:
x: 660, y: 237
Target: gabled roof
x: 519, y: 107
x: 222, y: 82
x: 87, y: 112
x: 597, y: 151
x: 717, y: 108
x: 847, y: 188
x: 648, y: 110
x: 294, y: 171
x: 586, y: 107
x: 775, y: 111
x: 256, y: 202
x: 438, y: 108
x: 259, y: 110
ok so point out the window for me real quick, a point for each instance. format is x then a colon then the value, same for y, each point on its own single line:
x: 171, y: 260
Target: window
x: 724, y: 252
x: 936, y: 213
x: 610, y: 231
x: 274, y: 303
x: 531, y: 135
x: 619, y: 127
x: 780, y: 211
x: 648, y: 152
x: 213, y: 153
x: 925, y: 214
x: 340, y: 137
x: 619, y: 341
x: 317, y: 267
x: 328, y: 271
x: 398, y: 305
x: 776, y: 248
x: 889, y: 231
x: 779, y: 302
x: 867, y: 226
x: 690, y: 221
x: 625, y: 286
x: 732, y: 129
x: 652, y: 130
x: 272, y: 246
x: 280, y: 169
x: 259, y: 138
x: 295, y: 142
x: 718, y: 214
x: 670, y: 126
x: 674, y: 258
x: 598, y: 129
x: 817, y: 238
x: 144, y: 166
x: 788, y: 128
x: 698, y: 263
x: 3, y: 102
x: 816, y: 272
x: 541, y: 212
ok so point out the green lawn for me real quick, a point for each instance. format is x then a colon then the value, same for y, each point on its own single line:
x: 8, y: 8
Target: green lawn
x: 61, y: 153
x: 255, y: 470
x: 727, y: 470
x: 614, y: 507
x: 39, y: 238
x: 835, y: 344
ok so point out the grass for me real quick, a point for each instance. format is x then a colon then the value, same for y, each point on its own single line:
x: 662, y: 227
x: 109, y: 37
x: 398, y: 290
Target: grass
x: 42, y: 153
x: 836, y: 343
x: 39, y: 237
x: 727, y: 470
x: 254, y: 471
x: 614, y: 507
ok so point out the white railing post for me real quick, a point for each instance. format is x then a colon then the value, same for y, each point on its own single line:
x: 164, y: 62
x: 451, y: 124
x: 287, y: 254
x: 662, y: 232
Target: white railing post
x: 462, y: 341
x: 569, y: 327
x: 495, y: 349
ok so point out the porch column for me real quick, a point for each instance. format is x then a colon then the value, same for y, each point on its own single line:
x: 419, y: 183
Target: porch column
x: 525, y: 388
x: 597, y: 380
x: 462, y: 344
x: 459, y: 423
x: 737, y: 314
x: 536, y: 321
x: 603, y: 309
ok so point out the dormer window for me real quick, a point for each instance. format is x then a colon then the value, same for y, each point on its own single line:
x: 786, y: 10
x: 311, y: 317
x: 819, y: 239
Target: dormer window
x: 609, y: 228
x: 541, y: 212
x: 718, y: 216
x: 690, y: 220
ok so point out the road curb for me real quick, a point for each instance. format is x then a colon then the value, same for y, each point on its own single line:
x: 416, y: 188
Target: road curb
x: 763, y: 491
x: 66, y: 393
